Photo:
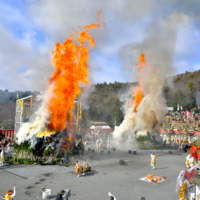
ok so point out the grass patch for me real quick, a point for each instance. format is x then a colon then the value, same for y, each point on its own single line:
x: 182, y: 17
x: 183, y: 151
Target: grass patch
x: 142, y: 138
x: 147, y: 144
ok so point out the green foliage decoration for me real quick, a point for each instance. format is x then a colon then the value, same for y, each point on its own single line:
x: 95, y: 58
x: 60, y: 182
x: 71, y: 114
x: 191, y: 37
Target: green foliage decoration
x: 142, y: 138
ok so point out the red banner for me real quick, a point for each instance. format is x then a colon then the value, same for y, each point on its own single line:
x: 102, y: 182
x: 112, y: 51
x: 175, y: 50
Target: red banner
x: 197, y: 133
x: 162, y: 130
x: 188, y: 113
x: 8, y: 133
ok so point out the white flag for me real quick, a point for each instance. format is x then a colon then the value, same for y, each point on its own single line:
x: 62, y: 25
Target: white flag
x: 178, y: 106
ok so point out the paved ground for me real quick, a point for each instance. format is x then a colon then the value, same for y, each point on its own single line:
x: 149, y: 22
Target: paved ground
x: 106, y: 176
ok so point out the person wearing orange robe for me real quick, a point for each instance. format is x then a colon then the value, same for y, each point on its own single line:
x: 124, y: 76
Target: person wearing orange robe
x: 78, y: 168
x: 10, y: 194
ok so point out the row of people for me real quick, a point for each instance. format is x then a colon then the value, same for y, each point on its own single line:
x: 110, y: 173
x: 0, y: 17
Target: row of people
x: 99, y: 144
x: 12, y: 193
x: 176, y: 139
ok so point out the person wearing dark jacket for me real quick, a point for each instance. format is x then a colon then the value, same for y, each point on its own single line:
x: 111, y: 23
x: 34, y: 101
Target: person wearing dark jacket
x: 59, y: 195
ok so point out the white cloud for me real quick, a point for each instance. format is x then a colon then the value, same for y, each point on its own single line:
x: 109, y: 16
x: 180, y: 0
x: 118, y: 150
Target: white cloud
x: 197, y: 67
x: 188, y: 42
x: 127, y: 22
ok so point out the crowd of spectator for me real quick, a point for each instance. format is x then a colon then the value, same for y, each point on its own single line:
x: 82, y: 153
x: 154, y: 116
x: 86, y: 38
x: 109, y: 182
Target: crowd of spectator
x: 182, y: 120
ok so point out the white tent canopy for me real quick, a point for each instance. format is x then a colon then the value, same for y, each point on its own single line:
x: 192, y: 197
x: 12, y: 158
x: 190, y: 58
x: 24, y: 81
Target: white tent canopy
x: 102, y: 127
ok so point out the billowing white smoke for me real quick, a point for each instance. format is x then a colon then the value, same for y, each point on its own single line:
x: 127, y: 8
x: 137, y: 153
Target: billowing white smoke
x: 28, y: 131
x: 158, y: 48
x: 152, y: 108
x: 129, y: 114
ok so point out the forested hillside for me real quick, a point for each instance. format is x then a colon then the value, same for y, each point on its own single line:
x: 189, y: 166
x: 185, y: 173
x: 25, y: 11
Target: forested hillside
x: 184, y: 91
x: 104, y: 104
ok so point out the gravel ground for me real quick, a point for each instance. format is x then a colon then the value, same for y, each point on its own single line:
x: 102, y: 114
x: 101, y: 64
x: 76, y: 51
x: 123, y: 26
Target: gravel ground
x: 106, y: 176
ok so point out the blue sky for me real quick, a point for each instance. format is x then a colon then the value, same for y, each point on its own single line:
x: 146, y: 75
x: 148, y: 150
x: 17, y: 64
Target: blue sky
x: 30, y: 29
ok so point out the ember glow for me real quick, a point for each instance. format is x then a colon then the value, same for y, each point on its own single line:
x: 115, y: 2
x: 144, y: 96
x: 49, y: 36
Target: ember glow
x: 68, y: 142
x: 138, y: 91
x: 137, y: 98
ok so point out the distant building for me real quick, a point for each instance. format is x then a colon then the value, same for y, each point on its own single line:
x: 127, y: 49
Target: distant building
x: 100, y: 128
x: 170, y: 108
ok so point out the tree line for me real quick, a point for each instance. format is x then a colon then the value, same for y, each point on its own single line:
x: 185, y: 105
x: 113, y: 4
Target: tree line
x: 104, y: 103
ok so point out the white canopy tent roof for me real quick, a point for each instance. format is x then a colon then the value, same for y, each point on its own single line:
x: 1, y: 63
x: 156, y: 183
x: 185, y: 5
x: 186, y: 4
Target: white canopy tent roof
x: 102, y: 127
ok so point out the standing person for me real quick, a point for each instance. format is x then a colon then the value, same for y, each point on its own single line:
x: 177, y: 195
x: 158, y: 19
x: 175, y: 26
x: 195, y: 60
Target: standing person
x: 172, y: 143
x: 2, y: 157
x: 184, y: 185
x: 108, y: 144
x: 8, y: 147
x: 175, y: 139
x: 10, y: 194
x: 153, y: 160
x: 172, y: 139
x: 164, y: 140
x: 179, y: 146
x: 100, y: 144
x: 97, y: 143
x: 60, y: 195
x: 190, y: 142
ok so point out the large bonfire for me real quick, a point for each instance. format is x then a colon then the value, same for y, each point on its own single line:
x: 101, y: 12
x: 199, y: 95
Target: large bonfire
x: 55, y: 114
x: 146, y: 107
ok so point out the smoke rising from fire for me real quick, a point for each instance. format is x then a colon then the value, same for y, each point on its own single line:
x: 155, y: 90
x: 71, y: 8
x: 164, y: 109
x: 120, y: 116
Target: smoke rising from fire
x: 158, y: 66
x: 70, y: 62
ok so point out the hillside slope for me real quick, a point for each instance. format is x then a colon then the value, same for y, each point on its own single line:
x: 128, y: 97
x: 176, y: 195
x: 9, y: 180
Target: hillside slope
x: 104, y: 103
